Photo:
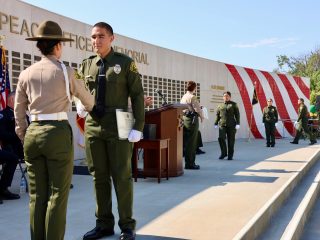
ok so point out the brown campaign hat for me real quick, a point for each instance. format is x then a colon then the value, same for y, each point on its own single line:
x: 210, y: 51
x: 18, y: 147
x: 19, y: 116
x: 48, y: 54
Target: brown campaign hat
x: 49, y: 30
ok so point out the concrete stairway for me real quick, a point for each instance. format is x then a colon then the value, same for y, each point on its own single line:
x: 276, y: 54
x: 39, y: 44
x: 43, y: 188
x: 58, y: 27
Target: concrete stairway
x: 286, y: 213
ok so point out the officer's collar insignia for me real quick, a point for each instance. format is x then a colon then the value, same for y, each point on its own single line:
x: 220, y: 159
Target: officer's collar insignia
x: 1, y: 115
x: 117, y: 68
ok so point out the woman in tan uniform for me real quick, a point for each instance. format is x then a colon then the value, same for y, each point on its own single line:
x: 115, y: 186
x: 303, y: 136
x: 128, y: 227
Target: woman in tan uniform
x: 45, y: 90
x: 191, y: 125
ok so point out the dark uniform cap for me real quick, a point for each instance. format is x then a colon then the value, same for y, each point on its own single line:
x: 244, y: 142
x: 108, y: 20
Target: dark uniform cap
x: 49, y: 30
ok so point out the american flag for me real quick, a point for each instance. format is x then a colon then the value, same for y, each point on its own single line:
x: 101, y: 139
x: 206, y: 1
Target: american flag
x: 283, y: 89
x: 4, y: 79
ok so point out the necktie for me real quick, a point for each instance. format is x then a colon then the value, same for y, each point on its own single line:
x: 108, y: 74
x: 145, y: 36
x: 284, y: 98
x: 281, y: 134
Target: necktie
x: 101, y: 86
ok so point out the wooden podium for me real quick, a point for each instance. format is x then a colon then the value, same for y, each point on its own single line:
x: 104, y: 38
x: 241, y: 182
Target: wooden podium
x: 169, y: 124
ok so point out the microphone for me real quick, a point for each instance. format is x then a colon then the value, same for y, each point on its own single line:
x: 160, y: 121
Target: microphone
x: 156, y: 90
x: 159, y: 92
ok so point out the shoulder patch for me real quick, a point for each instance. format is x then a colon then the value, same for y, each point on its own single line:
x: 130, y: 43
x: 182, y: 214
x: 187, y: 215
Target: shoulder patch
x: 133, y: 67
x: 89, y: 58
x: 1, y: 115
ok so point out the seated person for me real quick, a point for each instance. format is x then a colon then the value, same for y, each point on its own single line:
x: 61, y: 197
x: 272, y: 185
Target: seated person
x: 11, y: 147
x: 9, y: 161
x: 8, y: 137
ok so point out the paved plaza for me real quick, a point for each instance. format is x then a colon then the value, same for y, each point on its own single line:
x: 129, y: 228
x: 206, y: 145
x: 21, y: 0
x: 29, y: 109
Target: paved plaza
x: 215, y: 202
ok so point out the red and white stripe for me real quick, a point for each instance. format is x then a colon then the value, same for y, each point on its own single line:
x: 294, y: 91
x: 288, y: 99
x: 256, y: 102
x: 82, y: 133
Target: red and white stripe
x: 283, y: 89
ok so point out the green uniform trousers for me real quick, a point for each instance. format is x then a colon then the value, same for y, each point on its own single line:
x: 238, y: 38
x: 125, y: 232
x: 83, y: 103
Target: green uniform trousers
x: 199, y: 140
x: 48, y: 150
x: 190, y: 139
x: 110, y: 159
x: 270, y: 130
x: 228, y: 133
x: 303, y: 127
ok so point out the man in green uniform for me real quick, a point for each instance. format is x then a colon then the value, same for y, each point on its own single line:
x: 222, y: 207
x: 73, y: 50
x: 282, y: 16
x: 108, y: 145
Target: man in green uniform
x: 112, y: 78
x: 228, y: 118
x: 270, y: 118
x: 302, y: 124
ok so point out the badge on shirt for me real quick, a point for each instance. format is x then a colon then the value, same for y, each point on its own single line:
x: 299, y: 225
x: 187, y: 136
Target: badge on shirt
x: 117, y: 68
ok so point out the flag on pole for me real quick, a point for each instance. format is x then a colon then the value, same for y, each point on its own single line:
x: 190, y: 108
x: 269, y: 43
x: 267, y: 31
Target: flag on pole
x: 4, y: 79
x: 254, y: 97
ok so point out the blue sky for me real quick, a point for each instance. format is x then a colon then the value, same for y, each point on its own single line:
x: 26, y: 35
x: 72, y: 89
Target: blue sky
x: 243, y: 32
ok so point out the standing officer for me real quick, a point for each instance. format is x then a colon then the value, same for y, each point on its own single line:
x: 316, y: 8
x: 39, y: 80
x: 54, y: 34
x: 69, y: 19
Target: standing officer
x: 111, y: 77
x: 270, y: 118
x: 12, y: 149
x: 228, y: 118
x: 191, y: 125
x: 45, y: 90
x: 302, y: 124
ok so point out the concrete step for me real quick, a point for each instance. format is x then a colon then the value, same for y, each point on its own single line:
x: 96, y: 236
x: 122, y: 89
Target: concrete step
x: 289, y: 221
x: 260, y: 223
x: 311, y: 229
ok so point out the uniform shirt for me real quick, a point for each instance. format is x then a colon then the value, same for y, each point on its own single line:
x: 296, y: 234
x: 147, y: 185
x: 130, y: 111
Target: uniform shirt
x: 228, y: 114
x: 122, y: 81
x: 270, y: 114
x: 192, y: 102
x: 41, y: 89
x: 302, y: 113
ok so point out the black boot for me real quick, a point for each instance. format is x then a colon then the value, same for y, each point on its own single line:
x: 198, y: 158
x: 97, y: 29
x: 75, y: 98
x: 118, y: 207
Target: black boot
x: 7, y: 195
x: 199, y: 151
x: 127, y: 234
x: 98, y: 233
x: 222, y: 156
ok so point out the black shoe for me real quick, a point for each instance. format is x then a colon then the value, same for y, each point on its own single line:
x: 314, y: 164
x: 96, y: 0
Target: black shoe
x: 199, y: 151
x: 71, y: 186
x: 193, y: 167
x: 230, y: 158
x: 222, y: 156
x: 312, y: 142
x: 1, y: 202
x: 127, y: 234
x: 268, y: 145
x: 272, y: 145
x: 97, y: 233
x: 293, y: 142
x: 7, y: 195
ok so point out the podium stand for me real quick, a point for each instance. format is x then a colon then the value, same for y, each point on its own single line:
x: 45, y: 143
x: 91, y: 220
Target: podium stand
x: 169, y: 124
